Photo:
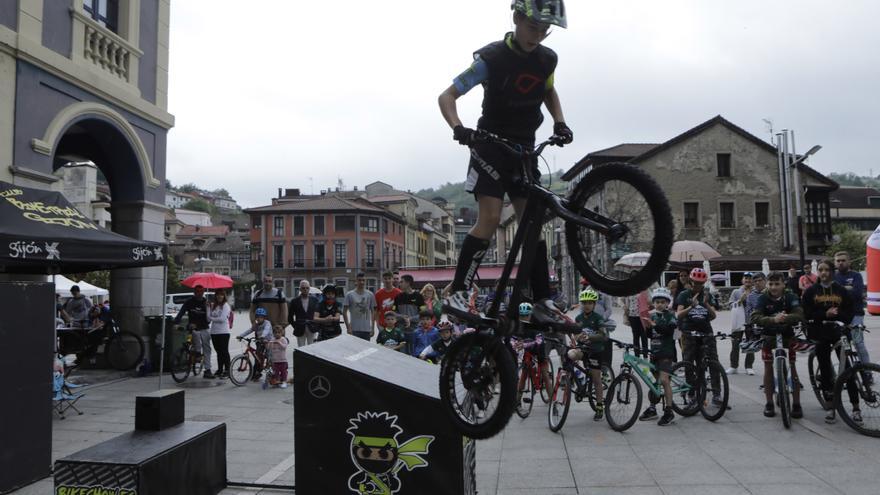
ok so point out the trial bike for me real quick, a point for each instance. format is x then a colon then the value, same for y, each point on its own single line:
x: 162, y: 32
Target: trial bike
x: 615, y: 208
x: 568, y: 382
x: 123, y: 349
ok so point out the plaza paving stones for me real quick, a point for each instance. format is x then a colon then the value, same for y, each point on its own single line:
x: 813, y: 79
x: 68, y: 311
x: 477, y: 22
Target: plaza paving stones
x: 742, y: 453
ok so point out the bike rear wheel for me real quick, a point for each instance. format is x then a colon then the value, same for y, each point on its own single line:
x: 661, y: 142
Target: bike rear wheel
x: 478, y: 385
x: 180, y: 365
x: 607, y: 378
x: 633, y: 200
x: 686, y: 390
x: 526, y: 393
x: 868, y: 397
x: 816, y: 381
x: 623, y: 402
x: 714, y: 403
x: 124, y: 350
x: 240, y: 370
x: 560, y: 401
x: 783, y: 392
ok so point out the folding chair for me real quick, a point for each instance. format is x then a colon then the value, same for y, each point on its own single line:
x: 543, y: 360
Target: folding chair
x: 63, y: 397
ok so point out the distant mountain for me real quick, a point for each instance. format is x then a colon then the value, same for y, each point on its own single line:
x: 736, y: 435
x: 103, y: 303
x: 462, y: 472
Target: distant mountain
x: 453, y: 192
x: 851, y: 179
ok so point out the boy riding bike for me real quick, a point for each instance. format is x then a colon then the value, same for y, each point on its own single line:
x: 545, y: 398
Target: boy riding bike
x: 534, y: 344
x: 661, y: 332
x: 695, y: 309
x: 594, y: 332
x: 517, y: 74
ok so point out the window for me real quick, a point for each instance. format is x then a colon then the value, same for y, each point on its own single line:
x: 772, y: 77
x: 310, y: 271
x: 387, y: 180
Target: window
x: 299, y: 225
x: 692, y: 215
x: 370, y: 255
x: 299, y: 256
x: 340, y: 255
x: 320, y: 256
x: 278, y: 226
x: 104, y: 12
x: 257, y: 221
x: 344, y: 223
x: 320, y: 283
x: 385, y: 226
x: 873, y: 202
x: 369, y: 224
x: 723, y: 160
x: 340, y: 284
x: 726, y: 217
x: 278, y: 256
x: 762, y: 214
x: 371, y: 285
x: 439, y: 246
x: 319, y: 224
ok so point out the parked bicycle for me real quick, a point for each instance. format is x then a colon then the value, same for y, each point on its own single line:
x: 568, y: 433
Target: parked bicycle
x: 782, y: 378
x: 710, y: 393
x: 249, y: 365
x: 572, y: 378
x: 188, y: 359
x: 615, y: 206
x: 530, y: 375
x: 122, y: 349
x: 853, y: 375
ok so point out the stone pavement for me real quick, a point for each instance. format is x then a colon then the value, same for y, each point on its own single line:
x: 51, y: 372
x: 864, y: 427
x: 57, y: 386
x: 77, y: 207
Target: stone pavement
x: 742, y: 453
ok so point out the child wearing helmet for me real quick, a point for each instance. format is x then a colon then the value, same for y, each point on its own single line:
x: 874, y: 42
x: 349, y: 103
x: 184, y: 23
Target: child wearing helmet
x: 531, y: 338
x: 435, y: 351
x: 391, y: 335
x: 517, y: 75
x: 594, y: 333
x: 661, y: 332
x: 695, y: 310
x: 329, y: 314
x: 262, y: 330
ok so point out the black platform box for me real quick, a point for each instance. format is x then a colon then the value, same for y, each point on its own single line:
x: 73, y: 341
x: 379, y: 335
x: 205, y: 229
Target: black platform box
x: 187, y: 459
x: 159, y: 410
x: 349, y: 392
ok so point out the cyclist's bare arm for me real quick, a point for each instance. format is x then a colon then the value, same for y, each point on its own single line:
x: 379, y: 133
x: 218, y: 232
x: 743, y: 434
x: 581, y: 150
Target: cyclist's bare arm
x: 448, y: 107
x: 554, y: 106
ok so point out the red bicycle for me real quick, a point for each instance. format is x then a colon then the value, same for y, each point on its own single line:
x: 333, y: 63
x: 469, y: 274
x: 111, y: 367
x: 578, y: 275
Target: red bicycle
x: 529, y: 373
x: 248, y: 365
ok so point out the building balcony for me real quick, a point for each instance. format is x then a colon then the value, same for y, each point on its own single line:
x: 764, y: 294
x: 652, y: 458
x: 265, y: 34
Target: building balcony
x: 105, y: 49
x: 308, y: 263
x: 370, y: 263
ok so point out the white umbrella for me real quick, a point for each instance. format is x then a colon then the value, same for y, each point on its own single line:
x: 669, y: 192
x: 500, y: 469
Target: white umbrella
x: 765, y: 266
x: 692, y: 251
x: 633, y: 260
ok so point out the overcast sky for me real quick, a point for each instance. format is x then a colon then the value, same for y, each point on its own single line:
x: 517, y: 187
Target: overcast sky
x: 272, y: 94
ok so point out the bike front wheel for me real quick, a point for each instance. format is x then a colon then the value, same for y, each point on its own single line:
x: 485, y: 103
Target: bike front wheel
x: 630, y: 200
x: 478, y: 385
x: 859, y: 383
x: 816, y: 382
x: 686, y: 389
x: 546, y: 389
x: 526, y: 394
x: 240, y: 370
x: 623, y: 402
x: 716, y: 395
x: 560, y: 400
x: 783, y: 392
x: 124, y: 350
x: 180, y: 365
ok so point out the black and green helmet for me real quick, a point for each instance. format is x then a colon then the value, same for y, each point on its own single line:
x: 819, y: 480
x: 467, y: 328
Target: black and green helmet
x: 546, y: 11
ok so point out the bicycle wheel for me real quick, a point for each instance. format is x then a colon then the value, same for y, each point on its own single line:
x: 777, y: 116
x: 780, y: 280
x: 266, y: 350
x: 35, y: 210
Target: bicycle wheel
x: 623, y: 402
x: 180, y: 365
x: 560, y: 401
x: 545, y: 392
x: 816, y: 381
x: 607, y: 378
x: 526, y: 393
x: 240, y: 370
x: 124, y: 350
x: 478, y: 385
x: 637, y: 206
x: 686, y: 392
x: 716, y: 395
x: 783, y: 392
x: 868, y: 398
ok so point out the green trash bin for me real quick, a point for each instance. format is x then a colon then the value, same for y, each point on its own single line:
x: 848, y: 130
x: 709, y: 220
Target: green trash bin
x: 173, y: 339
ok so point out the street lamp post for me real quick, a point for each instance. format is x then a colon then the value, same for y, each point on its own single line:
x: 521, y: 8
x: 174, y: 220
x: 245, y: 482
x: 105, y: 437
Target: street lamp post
x: 798, y: 193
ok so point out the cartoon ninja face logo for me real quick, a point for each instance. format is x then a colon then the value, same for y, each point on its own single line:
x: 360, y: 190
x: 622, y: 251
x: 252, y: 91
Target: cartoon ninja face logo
x: 379, y: 456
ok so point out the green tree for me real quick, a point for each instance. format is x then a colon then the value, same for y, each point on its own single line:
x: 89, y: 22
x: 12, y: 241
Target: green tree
x: 223, y: 193
x: 200, y: 205
x: 173, y: 283
x: 850, y: 241
x: 188, y: 188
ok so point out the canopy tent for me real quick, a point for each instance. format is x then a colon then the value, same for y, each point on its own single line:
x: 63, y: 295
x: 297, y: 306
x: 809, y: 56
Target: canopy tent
x: 90, y: 290
x: 63, y: 285
x: 42, y: 233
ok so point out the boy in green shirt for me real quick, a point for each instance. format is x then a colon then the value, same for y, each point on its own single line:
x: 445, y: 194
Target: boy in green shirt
x: 661, y: 331
x: 594, y: 333
x: 391, y: 336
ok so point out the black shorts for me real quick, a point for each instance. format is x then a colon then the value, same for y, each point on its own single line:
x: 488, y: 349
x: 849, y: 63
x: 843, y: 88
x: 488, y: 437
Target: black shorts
x: 663, y: 363
x: 494, y: 171
x: 593, y: 360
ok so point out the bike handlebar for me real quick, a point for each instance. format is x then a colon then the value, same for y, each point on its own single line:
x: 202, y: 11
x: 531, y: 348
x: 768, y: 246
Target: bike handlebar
x: 516, y: 148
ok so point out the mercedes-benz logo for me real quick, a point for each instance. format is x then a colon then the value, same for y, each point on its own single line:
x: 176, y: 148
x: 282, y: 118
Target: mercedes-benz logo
x: 319, y: 387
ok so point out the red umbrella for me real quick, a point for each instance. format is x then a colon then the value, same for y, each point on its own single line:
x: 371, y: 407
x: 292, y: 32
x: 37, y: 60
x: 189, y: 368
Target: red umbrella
x: 208, y: 280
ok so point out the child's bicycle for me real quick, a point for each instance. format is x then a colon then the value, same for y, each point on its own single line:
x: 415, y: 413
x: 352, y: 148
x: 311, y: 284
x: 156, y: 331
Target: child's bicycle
x: 710, y: 393
x: 530, y: 376
x: 249, y: 365
x: 623, y: 399
x: 568, y: 381
x: 187, y: 360
x: 615, y: 208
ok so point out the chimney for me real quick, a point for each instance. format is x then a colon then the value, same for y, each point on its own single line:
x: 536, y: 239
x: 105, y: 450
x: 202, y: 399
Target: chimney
x: 279, y: 192
x: 291, y: 192
x: 355, y: 188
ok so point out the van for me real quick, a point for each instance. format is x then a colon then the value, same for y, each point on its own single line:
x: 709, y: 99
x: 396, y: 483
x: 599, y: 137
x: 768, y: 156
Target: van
x: 173, y: 302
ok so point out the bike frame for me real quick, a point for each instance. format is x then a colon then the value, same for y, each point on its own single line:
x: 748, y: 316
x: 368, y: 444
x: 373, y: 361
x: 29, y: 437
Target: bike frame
x: 634, y: 363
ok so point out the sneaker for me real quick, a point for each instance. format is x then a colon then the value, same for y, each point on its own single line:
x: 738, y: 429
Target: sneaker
x: 600, y: 414
x: 750, y: 372
x: 797, y: 412
x: 208, y: 374
x: 265, y: 385
x: 831, y: 417
x: 769, y: 411
x: 282, y: 385
x: 667, y: 419
x: 649, y: 414
x: 857, y: 416
x: 459, y: 304
x: 731, y: 371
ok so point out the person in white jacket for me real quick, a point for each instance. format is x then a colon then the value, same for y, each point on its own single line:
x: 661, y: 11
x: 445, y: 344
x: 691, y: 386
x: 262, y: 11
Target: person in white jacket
x: 218, y: 316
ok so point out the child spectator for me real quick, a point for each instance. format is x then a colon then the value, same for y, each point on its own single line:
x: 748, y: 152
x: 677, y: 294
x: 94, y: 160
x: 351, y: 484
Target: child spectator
x: 661, y: 332
x: 262, y: 331
x: 435, y: 351
x: 277, y: 348
x: 595, y: 333
x: 426, y: 334
x: 391, y: 336
x: 407, y: 305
